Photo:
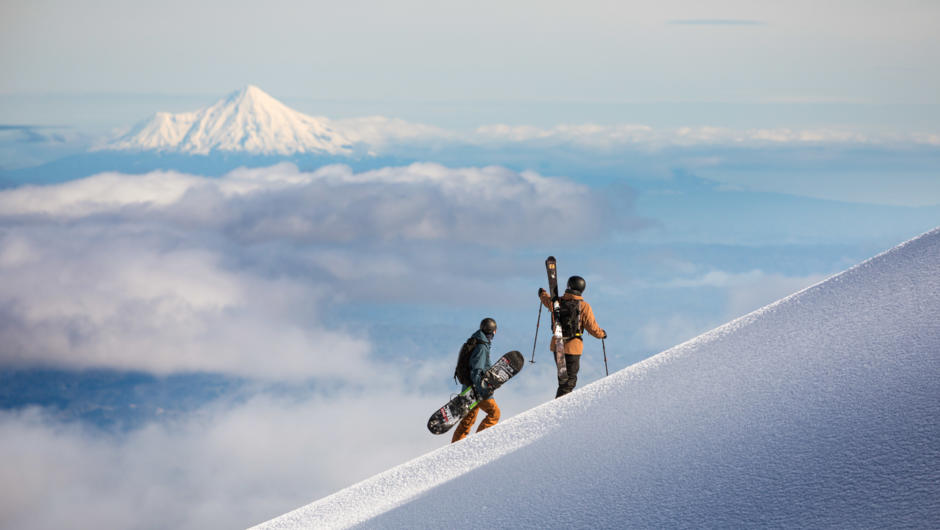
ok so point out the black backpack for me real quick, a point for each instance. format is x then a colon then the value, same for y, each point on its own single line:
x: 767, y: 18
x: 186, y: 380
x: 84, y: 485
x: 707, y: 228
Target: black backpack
x: 462, y: 372
x: 570, y: 318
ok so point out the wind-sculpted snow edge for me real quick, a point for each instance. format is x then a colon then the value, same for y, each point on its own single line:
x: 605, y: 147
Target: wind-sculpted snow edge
x: 812, y: 374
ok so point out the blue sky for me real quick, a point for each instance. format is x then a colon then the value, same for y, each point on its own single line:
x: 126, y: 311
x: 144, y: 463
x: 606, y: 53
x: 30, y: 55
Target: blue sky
x: 703, y: 160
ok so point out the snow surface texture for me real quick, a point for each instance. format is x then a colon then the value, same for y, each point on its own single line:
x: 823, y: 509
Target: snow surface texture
x: 818, y: 410
x: 248, y: 120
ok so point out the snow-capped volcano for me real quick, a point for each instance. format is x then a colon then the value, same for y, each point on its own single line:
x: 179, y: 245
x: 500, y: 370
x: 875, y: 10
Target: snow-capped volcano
x: 248, y: 121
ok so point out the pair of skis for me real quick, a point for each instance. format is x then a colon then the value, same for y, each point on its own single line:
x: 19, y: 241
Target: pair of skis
x: 550, y: 268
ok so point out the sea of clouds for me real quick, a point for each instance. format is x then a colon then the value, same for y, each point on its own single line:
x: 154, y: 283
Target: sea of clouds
x: 166, y: 272
x: 270, y: 276
x: 243, y: 275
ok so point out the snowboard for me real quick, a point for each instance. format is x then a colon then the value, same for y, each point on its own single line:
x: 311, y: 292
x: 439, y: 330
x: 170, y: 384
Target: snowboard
x: 450, y: 414
x: 560, y: 365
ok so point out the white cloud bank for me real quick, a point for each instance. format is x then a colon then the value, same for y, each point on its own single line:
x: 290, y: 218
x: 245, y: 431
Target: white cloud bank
x: 381, y: 131
x: 598, y: 136
x: 383, y: 134
x: 111, y: 298
x: 225, y: 467
x: 167, y: 272
x: 490, y: 205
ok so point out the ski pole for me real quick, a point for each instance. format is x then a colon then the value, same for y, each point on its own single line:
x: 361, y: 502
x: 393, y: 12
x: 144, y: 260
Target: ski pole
x: 605, y: 357
x: 537, y: 322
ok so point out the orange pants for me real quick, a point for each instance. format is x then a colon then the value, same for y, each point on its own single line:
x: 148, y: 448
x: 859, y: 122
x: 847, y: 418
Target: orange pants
x: 492, y: 417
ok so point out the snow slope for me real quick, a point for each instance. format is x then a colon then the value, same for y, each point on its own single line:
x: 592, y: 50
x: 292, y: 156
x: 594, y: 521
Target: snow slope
x: 820, y: 410
x: 248, y: 121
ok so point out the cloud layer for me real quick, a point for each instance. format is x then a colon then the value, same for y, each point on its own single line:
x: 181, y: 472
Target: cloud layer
x: 168, y: 272
x: 383, y: 134
x: 420, y: 202
x: 600, y: 136
x: 228, y: 466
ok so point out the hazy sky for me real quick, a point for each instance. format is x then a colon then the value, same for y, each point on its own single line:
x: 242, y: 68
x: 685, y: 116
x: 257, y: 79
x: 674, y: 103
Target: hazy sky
x: 596, y: 50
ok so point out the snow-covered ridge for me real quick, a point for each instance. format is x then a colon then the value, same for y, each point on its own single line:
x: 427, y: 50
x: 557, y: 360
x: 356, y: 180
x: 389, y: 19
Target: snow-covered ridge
x: 248, y: 121
x: 818, y: 410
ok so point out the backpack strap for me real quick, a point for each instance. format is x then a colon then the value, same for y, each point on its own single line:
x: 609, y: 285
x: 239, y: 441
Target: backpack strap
x: 580, y: 331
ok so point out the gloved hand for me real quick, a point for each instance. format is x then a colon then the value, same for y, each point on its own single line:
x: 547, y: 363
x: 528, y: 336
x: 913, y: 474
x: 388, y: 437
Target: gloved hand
x: 541, y: 290
x: 605, y: 333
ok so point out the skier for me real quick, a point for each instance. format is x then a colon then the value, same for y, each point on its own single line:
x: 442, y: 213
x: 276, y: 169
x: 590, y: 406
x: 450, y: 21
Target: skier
x: 479, y: 361
x: 577, y: 316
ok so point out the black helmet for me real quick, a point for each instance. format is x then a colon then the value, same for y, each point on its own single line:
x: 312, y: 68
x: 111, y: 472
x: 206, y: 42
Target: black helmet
x: 488, y: 326
x: 576, y: 285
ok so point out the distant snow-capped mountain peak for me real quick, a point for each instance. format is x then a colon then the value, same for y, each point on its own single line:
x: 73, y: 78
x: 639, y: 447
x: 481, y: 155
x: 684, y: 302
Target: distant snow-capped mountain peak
x: 248, y: 121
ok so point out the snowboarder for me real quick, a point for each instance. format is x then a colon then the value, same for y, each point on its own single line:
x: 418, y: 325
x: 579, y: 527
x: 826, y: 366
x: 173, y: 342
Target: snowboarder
x: 479, y: 363
x: 576, y: 316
